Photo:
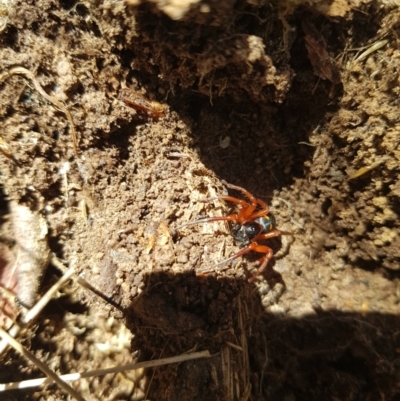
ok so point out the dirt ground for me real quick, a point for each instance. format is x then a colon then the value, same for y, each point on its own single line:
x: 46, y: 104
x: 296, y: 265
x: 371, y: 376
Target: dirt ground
x: 297, y: 104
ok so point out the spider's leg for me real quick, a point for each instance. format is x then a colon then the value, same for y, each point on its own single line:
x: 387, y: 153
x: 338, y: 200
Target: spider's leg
x: 231, y: 217
x: 265, y: 249
x: 256, y: 214
x: 246, y: 209
x: 228, y: 198
x: 251, y: 247
x: 242, y: 252
x: 272, y: 234
x: 252, y: 213
x: 245, y: 192
x: 246, y: 214
x: 263, y: 261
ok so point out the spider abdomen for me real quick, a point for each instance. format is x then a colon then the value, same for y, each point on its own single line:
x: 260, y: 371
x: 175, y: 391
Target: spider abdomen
x: 244, y: 233
x: 267, y: 223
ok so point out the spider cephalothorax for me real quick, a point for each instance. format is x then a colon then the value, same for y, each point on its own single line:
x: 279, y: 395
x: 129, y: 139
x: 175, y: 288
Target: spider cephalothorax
x: 252, y: 223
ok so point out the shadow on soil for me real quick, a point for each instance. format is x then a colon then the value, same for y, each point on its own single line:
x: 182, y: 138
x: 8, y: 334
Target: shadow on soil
x: 258, y: 146
x: 247, y: 132
x: 328, y: 356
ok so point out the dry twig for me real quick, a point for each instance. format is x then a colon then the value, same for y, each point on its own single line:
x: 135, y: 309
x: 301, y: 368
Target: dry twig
x: 29, y: 316
x: 102, y: 372
x: 56, y: 103
x: 52, y: 376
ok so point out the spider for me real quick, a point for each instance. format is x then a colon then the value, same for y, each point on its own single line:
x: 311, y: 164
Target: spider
x: 251, y: 224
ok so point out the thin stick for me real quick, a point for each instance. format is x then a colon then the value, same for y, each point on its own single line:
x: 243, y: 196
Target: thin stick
x: 376, y: 46
x: 81, y: 281
x: 52, y: 376
x: 13, y: 332
x: 154, y: 371
x: 30, y: 315
x: 102, y: 372
x: 56, y: 103
x: 39, y: 306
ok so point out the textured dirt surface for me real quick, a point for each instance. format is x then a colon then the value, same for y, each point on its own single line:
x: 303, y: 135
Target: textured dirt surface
x: 286, y: 106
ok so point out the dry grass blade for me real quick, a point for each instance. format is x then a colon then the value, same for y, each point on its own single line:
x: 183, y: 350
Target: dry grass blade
x: 235, y: 360
x: 101, y: 372
x: 29, y: 316
x: 81, y: 281
x: 376, y: 46
x: 56, y: 103
x: 245, y: 354
x: 34, y: 312
x: 227, y: 372
x: 246, y: 395
x: 38, y: 363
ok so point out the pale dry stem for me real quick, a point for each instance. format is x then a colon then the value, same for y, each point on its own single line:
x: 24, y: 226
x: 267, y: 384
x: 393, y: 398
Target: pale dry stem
x: 102, y: 372
x: 56, y: 103
x: 38, y: 363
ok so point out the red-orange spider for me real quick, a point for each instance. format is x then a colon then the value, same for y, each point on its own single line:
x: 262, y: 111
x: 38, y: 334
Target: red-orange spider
x: 251, y: 224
